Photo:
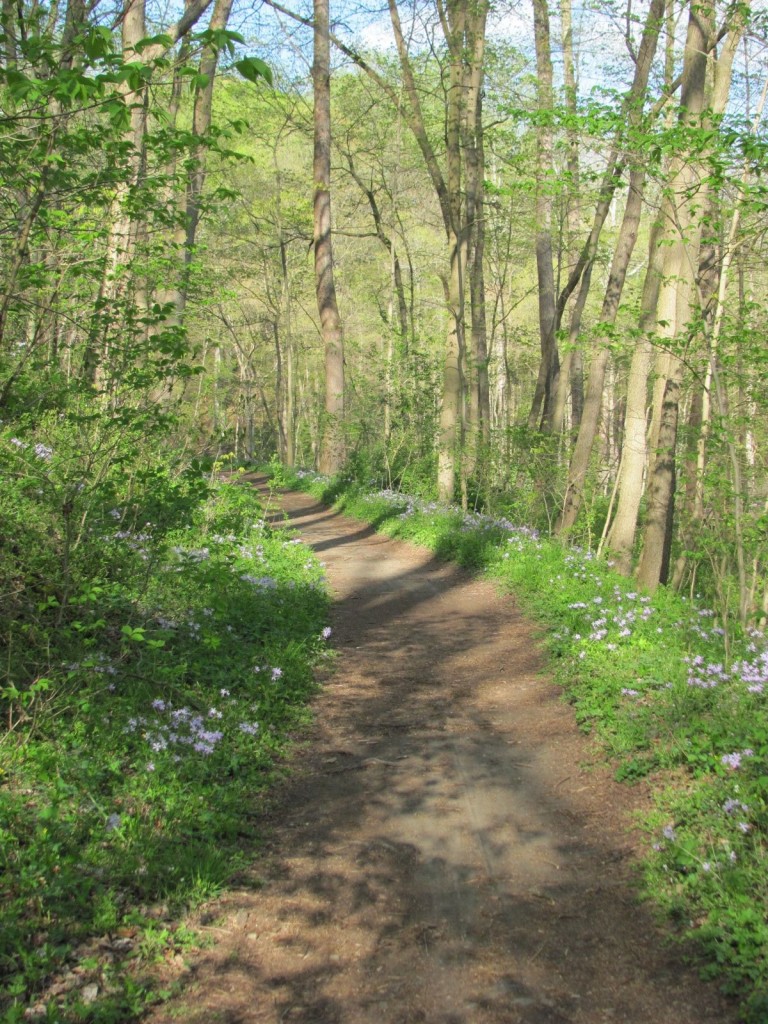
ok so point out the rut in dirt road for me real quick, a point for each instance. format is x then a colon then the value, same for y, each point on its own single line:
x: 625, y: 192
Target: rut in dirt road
x: 441, y: 854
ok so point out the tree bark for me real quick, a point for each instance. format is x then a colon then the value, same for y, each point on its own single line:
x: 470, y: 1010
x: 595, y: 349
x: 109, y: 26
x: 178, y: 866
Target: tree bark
x: 544, y: 394
x: 332, y: 444
x: 481, y: 401
x: 682, y: 239
x: 563, y: 383
x: 463, y: 27
x: 201, y: 122
x: 621, y: 538
x: 593, y: 403
x: 625, y: 244
x: 687, y: 198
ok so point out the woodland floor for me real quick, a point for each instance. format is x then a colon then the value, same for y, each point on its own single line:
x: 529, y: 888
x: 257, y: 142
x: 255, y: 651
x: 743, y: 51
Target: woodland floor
x: 448, y: 848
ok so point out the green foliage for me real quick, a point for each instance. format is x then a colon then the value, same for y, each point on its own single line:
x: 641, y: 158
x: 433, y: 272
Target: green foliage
x: 135, y: 591
x: 149, y: 697
x: 666, y: 697
x: 254, y: 70
x: 527, y: 478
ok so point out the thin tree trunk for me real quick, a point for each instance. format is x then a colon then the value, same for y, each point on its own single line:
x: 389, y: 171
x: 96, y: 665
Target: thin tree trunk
x: 125, y: 229
x: 201, y: 122
x: 332, y: 444
x: 593, y: 403
x: 563, y: 384
x: 481, y: 391
x: 625, y: 244
x: 287, y: 408
x: 389, y: 245
x: 542, y: 406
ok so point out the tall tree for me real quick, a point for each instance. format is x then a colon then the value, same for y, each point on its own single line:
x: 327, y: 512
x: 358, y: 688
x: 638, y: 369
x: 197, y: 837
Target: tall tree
x: 201, y: 123
x: 549, y: 363
x: 463, y: 25
x: 685, y: 198
x: 332, y: 446
x: 624, y: 247
x: 127, y: 221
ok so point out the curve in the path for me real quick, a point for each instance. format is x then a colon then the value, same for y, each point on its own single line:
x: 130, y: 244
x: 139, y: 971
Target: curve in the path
x: 442, y: 853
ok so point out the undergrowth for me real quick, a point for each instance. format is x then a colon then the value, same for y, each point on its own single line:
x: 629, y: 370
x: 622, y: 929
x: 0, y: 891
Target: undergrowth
x: 673, y: 695
x: 149, y: 694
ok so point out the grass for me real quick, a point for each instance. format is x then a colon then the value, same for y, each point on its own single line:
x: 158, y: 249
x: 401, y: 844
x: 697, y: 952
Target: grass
x: 134, y: 767
x: 672, y: 694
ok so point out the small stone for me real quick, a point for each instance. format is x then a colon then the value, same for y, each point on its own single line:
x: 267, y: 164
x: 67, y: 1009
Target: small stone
x: 89, y: 993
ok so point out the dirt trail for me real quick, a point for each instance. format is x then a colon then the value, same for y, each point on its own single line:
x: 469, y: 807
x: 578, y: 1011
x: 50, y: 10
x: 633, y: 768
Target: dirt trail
x: 444, y: 853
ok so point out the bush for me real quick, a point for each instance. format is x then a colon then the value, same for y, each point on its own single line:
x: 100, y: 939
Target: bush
x: 160, y: 683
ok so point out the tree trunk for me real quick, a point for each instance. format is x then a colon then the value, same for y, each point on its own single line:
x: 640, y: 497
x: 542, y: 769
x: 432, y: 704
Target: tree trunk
x: 463, y: 27
x: 449, y: 437
x: 593, y: 402
x: 201, y: 122
x: 563, y: 385
x: 542, y: 406
x: 625, y: 244
x: 124, y: 229
x: 481, y: 401
x: 682, y: 238
x: 332, y: 444
x: 687, y: 198
x: 621, y: 538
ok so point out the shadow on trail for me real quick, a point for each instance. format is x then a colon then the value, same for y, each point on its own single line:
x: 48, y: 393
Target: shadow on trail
x: 312, y: 515
x: 458, y: 871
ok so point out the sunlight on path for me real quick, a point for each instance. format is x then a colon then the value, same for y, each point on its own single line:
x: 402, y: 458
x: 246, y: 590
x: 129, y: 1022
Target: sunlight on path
x: 442, y: 854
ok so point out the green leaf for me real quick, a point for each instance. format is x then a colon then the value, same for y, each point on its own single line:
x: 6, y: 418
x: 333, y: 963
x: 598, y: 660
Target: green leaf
x: 254, y: 69
x: 118, y: 114
x: 137, y: 634
x: 97, y: 42
x: 162, y: 40
x: 20, y: 87
x: 219, y: 39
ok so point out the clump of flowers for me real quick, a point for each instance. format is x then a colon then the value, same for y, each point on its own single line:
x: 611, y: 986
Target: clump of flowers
x: 183, y: 731
x: 734, y: 760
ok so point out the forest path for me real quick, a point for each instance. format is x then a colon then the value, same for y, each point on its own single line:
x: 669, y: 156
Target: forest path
x: 442, y: 853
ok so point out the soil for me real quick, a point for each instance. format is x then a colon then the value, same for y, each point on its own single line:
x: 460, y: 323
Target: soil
x: 448, y: 848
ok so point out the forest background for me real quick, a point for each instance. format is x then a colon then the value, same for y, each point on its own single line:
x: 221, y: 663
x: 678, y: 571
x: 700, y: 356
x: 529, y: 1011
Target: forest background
x: 539, y: 294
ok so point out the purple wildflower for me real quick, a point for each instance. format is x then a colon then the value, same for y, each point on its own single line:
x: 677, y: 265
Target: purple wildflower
x: 732, y: 761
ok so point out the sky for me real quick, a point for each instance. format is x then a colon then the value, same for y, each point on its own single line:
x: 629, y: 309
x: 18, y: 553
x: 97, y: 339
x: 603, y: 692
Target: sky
x: 367, y: 26
x: 599, y: 27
